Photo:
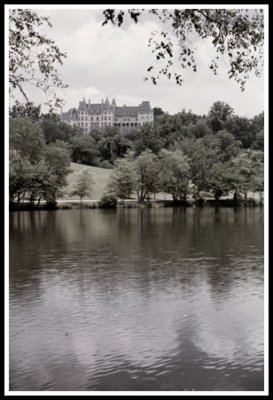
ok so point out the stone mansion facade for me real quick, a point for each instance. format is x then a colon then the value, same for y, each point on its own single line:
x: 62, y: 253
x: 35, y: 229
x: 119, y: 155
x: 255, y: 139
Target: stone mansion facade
x: 99, y: 115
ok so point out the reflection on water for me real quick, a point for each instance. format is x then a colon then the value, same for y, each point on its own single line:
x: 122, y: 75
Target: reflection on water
x: 156, y: 299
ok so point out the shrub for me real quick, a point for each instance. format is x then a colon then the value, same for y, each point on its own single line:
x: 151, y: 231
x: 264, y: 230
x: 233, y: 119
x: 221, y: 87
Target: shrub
x: 105, y: 164
x: 108, y: 200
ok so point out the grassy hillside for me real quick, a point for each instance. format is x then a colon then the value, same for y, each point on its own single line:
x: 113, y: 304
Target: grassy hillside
x: 100, y: 176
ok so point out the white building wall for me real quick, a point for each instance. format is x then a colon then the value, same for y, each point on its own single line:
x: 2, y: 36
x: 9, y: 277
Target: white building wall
x: 143, y: 118
x: 108, y: 117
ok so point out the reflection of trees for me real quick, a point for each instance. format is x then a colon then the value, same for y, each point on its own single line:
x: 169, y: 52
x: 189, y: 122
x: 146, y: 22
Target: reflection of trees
x: 148, y: 249
x: 34, y: 237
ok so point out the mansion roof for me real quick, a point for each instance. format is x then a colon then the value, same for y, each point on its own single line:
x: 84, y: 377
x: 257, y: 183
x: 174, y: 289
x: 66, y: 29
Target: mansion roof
x: 100, y: 108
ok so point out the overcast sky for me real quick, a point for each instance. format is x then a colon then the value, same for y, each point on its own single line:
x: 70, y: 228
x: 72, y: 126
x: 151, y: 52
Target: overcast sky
x: 111, y: 61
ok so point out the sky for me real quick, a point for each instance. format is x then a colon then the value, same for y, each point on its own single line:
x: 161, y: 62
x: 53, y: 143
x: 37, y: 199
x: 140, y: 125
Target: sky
x: 112, y: 61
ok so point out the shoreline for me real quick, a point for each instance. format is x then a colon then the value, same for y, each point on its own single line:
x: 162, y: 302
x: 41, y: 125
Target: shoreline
x: 72, y: 204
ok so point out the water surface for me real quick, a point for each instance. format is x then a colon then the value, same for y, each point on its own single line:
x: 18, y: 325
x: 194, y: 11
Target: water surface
x: 133, y: 299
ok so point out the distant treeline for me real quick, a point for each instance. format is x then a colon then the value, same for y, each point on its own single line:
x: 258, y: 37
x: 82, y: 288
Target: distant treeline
x: 179, y: 154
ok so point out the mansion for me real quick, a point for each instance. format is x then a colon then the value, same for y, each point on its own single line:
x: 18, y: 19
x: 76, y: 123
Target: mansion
x: 99, y: 115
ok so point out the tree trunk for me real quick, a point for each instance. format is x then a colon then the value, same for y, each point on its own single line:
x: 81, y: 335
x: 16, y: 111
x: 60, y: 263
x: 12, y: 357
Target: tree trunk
x: 235, y: 197
x: 31, y: 201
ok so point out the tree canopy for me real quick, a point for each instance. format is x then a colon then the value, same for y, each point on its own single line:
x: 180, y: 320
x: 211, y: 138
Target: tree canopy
x: 33, y: 57
x: 236, y: 34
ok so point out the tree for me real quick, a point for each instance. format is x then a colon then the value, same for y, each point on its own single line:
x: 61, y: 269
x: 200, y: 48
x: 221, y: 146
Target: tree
x: 229, y: 147
x: 83, y: 186
x: 147, y: 138
x: 84, y: 150
x: 147, y: 169
x: 33, y: 57
x: 113, y: 145
x: 41, y: 182
x: 174, y: 175
x: 221, y: 179
x: 200, y: 129
x: 57, y: 159
x: 218, y: 115
x: 123, y: 178
x: 247, y: 171
x: 258, y: 128
x: 36, y: 170
x: 236, y: 34
x: 25, y: 110
x: 158, y: 111
x: 202, y: 154
x: 259, y: 141
x: 242, y: 129
x: 26, y: 138
x: 19, y: 176
x: 54, y: 129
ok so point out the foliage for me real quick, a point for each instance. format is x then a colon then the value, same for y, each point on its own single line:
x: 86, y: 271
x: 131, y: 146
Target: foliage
x: 147, y: 168
x: 246, y: 173
x: 202, y: 154
x: 177, y: 154
x: 123, y: 178
x: 26, y: 138
x: 113, y: 146
x: 54, y: 129
x: 174, y: 175
x: 19, y: 172
x: 221, y: 179
x: 25, y: 110
x: 228, y: 146
x: 108, y: 200
x: 58, y: 160
x: 200, y: 129
x: 147, y: 138
x: 84, y: 185
x: 33, y: 57
x: 157, y: 111
x: 236, y: 34
x: 218, y: 115
x: 84, y: 150
x: 36, y: 170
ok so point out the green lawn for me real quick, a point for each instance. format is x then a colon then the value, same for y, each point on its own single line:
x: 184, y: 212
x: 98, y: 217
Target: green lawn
x: 100, y: 176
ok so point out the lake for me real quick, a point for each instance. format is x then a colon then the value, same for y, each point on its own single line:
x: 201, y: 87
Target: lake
x: 137, y: 300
